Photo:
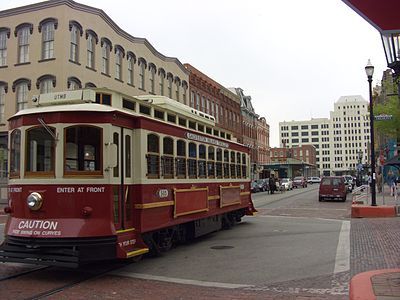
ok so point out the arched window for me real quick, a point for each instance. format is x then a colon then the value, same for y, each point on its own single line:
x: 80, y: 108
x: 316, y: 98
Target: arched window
x: 92, y: 40
x: 76, y: 32
x: 4, y: 35
x: 131, y: 67
x: 211, y: 162
x: 47, y: 27
x: 180, y: 160
x: 170, y: 79
x: 74, y: 83
x: 15, y: 153
x: 142, y: 73
x: 184, y: 92
x: 83, y: 150
x: 177, y: 88
x: 40, y: 154
x: 161, y: 73
x: 21, y: 88
x: 46, y: 83
x: 168, y: 158
x: 153, y: 156
x: 3, y: 91
x: 152, y: 69
x: 23, y: 32
x: 119, y: 55
x: 192, y: 161
x: 106, y: 48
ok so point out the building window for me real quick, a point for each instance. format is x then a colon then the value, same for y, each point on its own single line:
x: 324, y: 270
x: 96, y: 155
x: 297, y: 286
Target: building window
x: 105, y: 54
x: 152, y: 69
x: 92, y: 40
x: 161, y: 73
x: 74, y: 46
x: 142, y: 73
x: 74, y: 83
x: 169, y: 87
x: 46, y: 83
x: 118, y: 63
x: 4, y: 35
x: 177, y: 91
x: 23, y: 34
x: 48, y: 39
x: 3, y: 89
x: 131, y: 68
x: 184, y: 91
x: 21, y: 88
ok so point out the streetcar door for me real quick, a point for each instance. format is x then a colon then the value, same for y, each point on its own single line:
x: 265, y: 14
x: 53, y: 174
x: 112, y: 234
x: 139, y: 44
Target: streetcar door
x: 122, y: 178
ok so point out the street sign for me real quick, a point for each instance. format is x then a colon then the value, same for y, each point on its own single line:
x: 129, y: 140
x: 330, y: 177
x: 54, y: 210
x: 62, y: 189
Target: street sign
x: 383, y: 117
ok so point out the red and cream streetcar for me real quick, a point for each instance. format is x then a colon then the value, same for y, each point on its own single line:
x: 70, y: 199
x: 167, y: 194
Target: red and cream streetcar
x: 96, y: 175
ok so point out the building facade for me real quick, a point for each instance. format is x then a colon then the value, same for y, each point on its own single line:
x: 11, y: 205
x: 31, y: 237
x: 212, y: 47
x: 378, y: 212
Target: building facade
x: 210, y: 97
x: 341, y: 142
x: 63, y: 45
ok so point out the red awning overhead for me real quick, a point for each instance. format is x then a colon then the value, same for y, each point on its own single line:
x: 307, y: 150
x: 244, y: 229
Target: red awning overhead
x: 384, y: 15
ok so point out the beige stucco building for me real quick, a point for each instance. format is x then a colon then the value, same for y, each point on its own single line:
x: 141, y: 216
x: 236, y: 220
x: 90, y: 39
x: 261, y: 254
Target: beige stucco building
x: 60, y: 44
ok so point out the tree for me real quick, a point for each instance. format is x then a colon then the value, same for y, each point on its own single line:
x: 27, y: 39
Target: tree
x: 390, y: 128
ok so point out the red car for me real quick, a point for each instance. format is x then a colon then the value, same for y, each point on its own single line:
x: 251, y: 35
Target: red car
x: 332, y: 187
x: 299, y: 182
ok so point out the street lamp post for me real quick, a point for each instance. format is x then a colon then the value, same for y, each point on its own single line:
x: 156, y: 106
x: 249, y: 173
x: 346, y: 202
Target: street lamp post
x: 369, y: 70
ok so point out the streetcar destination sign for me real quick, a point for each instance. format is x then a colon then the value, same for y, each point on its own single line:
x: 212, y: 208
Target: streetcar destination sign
x: 383, y: 117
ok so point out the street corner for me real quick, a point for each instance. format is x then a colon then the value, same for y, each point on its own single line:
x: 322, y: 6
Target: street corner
x: 369, y: 285
x: 366, y: 211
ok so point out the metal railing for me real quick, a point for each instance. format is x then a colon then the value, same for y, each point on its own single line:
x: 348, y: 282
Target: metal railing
x: 361, y: 194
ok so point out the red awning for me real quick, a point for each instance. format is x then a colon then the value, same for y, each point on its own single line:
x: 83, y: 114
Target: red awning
x: 384, y: 15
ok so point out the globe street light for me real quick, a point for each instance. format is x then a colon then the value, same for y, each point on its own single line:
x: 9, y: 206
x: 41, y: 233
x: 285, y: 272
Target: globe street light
x: 369, y: 70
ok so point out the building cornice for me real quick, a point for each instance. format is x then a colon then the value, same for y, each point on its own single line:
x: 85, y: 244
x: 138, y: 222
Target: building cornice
x: 95, y: 11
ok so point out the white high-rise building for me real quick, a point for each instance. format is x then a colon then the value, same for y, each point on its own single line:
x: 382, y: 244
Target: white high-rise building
x: 339, y: 140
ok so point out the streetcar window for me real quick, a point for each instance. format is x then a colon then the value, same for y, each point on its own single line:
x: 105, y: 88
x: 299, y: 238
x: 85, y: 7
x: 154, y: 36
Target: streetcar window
x: 181, y: 159
x: 210, y: 162
x: 153, y: 156
x: 238, y: 166
x: 144, y: 110
x: 129, y: 104
x: 128, y: 167
x: 226, y: 164
x: 116, y: 142
x: 202, y: 161
x: 222, y: 134
x: 200, y: 127
x: 192, y: 125
x: 192, y: 163
x: 182, y: 122
x: 219, y: 163
x: 168, y: 158
x: 244, y: 167
x: 171, y: 118
x: 15, y: 153
x: 216, y: 132
x: 103, y: 98
x: 233, y: 166
x: 159, y: 114
x: 40, y: 151
x: 82, y: 150
x: 228, y: 136
x: 208, y: 130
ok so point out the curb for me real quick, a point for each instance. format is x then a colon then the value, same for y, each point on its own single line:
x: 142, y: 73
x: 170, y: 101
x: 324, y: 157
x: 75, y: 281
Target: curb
x: 364, y: 211
x: 361, y: 285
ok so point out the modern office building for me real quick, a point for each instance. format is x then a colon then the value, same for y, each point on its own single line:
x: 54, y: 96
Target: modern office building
x: 341, y: 141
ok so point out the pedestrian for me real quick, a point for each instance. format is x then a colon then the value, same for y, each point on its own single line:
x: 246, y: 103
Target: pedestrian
x: 272, y: 186
x: 379, y: 181
x: 369, y: 179
x: 391, y: 180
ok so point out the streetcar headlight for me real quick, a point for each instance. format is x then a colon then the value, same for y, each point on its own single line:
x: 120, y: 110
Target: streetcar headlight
x: 34, y: 201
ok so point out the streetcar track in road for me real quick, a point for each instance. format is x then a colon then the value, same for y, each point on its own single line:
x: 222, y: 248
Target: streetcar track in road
x: 23, y: 273
x: 284, y: 198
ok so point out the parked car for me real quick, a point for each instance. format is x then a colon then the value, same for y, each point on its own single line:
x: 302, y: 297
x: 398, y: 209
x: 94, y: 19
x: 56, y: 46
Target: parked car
x: 312, y: 180
x: 348, y: 181
x: 332, y: 187
x: 263, y: 185
x: 254, y: 187
x: 287, y: 183
x: 299, y: 182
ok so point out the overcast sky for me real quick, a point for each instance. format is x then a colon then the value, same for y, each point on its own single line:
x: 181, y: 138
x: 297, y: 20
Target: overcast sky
x: 294, y: 58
